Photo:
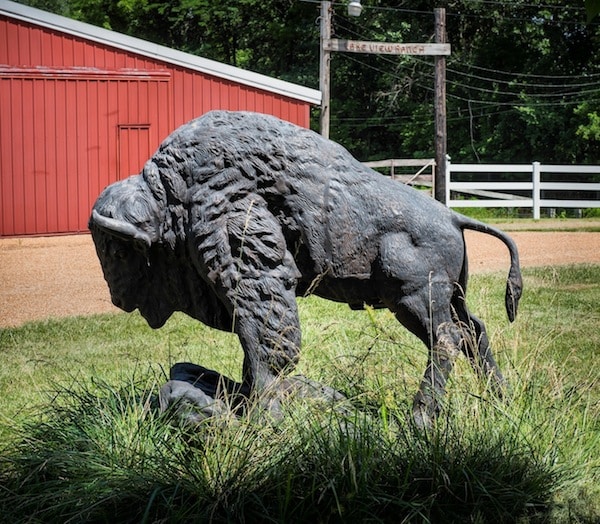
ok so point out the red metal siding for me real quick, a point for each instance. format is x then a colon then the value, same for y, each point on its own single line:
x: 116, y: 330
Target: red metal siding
x: 62, y: 143
x: 134, y: 145
x: 76, y: 115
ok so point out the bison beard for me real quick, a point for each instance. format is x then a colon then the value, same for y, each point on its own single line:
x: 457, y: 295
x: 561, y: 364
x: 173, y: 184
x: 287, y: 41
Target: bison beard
x: 238, y: 213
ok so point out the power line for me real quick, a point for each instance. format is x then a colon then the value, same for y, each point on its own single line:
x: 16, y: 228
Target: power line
x: 535, y: 6
x: 522, y: 93
x: 477, y: 2
x: 576, y: 78
x: 518, y: 101
x: 524, y: 84
x: 495, y: 16
x: 560, y: 94
x: 530, y: 75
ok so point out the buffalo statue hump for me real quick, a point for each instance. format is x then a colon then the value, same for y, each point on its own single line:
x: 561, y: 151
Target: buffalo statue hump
x: 238, y: 213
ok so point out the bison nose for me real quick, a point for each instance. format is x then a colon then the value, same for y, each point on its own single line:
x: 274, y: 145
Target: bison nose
x: 121, y: 304
x: 116, y: 301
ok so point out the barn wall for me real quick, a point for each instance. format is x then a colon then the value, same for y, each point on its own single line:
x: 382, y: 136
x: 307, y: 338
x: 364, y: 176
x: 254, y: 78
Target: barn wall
x: 65, y: 136
x: 76, y: 115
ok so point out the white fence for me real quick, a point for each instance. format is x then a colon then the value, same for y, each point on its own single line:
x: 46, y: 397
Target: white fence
x: 498, y: 194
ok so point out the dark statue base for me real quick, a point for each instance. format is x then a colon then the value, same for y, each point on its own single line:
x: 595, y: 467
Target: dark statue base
x: 196, y: 393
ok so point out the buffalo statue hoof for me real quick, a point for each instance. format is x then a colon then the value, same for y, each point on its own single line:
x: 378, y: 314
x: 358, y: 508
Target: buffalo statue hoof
x: 196, y: 394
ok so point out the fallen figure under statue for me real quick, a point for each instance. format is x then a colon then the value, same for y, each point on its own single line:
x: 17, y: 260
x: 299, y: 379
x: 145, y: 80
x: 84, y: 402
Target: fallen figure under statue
x: 238, y: 213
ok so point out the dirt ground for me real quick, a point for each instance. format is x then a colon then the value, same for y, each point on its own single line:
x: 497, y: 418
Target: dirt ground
x: 50, y: 277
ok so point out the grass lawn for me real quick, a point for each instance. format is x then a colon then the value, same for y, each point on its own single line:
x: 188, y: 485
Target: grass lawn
x: 81, y: 439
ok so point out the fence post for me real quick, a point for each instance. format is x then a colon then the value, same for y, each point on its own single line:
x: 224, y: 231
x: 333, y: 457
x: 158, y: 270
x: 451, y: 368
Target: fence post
x: 447, y: 188
x: 536, y: 193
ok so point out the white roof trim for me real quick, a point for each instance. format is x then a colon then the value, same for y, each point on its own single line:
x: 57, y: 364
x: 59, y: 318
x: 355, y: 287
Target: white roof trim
x: 158, y: 52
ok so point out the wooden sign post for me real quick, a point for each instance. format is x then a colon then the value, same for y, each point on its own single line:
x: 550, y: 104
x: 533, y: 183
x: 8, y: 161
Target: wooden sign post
x: 440, y: 49
x: 441, y: 137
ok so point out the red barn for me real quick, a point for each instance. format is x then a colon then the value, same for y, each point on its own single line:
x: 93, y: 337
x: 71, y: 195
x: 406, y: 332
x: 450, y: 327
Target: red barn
x: 81, y: 107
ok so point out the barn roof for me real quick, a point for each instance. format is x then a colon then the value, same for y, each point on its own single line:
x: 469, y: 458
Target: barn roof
x: 158, y: 52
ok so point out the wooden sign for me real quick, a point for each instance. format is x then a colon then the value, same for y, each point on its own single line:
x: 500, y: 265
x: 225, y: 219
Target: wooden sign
x: 385, y: 48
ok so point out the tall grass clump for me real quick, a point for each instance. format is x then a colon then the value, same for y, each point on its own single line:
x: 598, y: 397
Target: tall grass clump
x: 100, y: 450
x: 102, y: 454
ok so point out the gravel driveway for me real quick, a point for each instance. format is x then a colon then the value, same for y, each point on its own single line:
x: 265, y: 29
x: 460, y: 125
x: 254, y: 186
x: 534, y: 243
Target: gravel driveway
x: 49, y: 277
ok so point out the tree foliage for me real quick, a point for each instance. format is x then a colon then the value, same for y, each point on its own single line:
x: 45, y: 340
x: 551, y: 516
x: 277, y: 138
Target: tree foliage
x: 523, y: 80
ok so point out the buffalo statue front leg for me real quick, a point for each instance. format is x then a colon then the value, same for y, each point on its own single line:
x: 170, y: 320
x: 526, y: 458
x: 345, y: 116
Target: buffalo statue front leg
x: 242, y: 251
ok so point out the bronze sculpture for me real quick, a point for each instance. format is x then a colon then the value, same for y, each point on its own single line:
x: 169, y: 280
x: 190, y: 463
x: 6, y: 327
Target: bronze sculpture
x: 238, y: 213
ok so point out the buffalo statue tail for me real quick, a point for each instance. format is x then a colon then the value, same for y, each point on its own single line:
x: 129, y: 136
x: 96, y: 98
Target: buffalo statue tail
x: 514, y: 283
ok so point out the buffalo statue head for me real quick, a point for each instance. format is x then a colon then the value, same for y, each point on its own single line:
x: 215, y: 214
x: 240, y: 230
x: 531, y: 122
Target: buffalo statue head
x: 125, y: 227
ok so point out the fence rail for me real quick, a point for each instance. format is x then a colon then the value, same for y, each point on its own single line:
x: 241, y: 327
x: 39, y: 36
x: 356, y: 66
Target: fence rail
x: 413, y: 171
x: 498, y: 194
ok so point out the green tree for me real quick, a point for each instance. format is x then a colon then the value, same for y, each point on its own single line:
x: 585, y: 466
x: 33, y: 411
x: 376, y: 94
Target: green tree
x: 592, y: 8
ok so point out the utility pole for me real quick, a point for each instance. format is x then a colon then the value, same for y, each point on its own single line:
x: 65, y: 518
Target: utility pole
x: 440, y: 49
x: 441, y: 138
x: 325, y: 67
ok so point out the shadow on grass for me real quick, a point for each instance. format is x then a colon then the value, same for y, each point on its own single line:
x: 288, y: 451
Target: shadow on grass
x: 99, y: 454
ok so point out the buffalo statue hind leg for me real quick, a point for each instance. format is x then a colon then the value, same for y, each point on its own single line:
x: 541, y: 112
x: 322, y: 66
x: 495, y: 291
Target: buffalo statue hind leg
x: 451, y: 330
x: 428, y: 315
x: 476, y: 346
x: 429, y: 302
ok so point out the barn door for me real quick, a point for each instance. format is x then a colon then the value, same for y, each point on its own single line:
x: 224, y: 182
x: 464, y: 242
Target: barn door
x: 134, y: 148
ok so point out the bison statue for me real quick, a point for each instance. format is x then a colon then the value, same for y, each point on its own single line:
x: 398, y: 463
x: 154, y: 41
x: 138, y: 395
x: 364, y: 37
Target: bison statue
x: 238, y: 213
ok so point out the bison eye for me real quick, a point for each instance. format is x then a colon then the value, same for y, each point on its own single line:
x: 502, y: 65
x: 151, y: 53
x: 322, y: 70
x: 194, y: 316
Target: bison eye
x: 118, y: 251
x: 120, y: 254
